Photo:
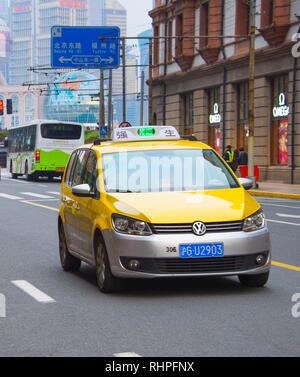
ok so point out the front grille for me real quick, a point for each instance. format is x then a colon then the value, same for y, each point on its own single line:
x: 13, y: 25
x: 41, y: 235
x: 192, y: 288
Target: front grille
x: 195, y: 265
x: 228, y: 226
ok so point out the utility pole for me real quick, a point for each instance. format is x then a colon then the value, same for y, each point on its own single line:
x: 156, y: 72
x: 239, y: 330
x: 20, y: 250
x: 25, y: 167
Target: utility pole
x: 150, y: 80
x: 251, y: 92
x: 110, y: 103
x: 101, y: 98
x: 142, y: 99
x: 124, y: 78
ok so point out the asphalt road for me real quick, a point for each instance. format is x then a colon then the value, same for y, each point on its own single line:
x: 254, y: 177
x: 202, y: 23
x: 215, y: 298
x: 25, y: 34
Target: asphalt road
x: 69, y: 316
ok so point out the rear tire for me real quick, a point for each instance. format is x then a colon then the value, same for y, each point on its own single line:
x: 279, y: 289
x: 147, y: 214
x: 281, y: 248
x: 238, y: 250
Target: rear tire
x: 258, y: 280
x: 107, y: 283
x: 67, y: 260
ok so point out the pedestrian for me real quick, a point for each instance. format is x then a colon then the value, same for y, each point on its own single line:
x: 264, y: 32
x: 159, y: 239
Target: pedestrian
x: 228, y: 156
x: 235, y: 161
x: 243, y: 157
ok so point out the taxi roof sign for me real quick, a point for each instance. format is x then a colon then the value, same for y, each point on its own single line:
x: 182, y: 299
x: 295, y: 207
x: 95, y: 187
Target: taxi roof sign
x: 121, y: 135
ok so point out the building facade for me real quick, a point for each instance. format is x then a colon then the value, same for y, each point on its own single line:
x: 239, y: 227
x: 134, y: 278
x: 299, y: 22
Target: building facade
x: 201, y: 85
x: 31, y: 22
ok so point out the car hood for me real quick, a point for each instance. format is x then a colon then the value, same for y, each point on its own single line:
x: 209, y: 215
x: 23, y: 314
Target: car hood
x: 185, y: 207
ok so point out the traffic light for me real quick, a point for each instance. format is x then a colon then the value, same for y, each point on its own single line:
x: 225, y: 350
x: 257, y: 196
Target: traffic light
x: 1, y: 107
x: 8, y: 106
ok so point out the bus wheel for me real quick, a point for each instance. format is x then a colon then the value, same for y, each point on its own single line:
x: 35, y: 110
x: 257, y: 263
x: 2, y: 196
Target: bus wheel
x: 13, y: 175
x: 29, y: 177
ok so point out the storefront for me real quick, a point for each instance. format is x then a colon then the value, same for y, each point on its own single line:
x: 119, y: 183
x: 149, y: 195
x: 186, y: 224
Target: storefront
x: 279, y: 126
x: 214, y: 121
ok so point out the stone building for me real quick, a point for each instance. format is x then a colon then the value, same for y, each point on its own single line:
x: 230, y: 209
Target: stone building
x: 201, y: 85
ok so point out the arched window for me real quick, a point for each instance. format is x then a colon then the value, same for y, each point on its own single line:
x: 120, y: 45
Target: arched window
x: 15, y: 111
x: 29, y: 107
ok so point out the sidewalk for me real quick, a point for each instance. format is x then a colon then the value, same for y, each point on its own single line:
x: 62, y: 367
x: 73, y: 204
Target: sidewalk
x: 277, y: 190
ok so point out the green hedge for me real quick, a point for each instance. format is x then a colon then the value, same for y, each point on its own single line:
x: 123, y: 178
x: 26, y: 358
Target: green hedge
x: 90, y: 136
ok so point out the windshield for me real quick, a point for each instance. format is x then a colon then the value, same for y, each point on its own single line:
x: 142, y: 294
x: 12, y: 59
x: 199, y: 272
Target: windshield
x: 61, y: 131
x: 166, y: 170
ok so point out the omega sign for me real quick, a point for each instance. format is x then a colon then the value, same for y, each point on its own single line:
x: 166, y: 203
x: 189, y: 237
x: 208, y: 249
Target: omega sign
x: 215, y: 117
x: 282, y: 110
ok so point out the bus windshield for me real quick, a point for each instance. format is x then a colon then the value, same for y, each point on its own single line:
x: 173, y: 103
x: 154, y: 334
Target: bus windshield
x: 61, y: 131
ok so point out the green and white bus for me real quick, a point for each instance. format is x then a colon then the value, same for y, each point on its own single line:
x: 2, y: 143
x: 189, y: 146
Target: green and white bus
x: 42, y: 148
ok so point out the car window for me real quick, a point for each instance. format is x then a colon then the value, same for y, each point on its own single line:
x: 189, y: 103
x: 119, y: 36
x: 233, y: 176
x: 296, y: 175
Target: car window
x: 77, y: 171
x: 90, y: 174
x: 69, y: 168
x: 166, y: 170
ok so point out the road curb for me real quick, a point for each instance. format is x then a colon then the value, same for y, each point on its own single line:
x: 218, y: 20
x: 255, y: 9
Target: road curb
x: 274, y: 194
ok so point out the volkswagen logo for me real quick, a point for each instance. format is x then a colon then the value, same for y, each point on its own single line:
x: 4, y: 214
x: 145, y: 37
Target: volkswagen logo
x: 199, y: 228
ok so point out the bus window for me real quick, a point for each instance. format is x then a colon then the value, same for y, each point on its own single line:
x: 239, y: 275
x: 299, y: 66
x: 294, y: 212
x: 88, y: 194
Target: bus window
x: 61, y: 131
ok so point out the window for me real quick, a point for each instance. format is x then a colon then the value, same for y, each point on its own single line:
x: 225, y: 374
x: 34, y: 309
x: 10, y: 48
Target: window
x: 91, y: 173
x: 243, y: 115
x: 61, y: 131
x: 204, y: 24
x: 29, y: 107
x: 188, y: 113
x: 69, y: 168
x: 179, y: 32
x: 242, y: 24
x: 156, y: 46
x: 170, y: 41
x: 267, y: 8
x: 76, y: 176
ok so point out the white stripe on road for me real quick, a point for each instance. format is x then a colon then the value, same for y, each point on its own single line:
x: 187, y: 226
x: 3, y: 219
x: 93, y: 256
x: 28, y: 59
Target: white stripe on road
x: 33, y: 291
x: 127, y: 354
x: 53, y: 192
x: 279, y: 205
x: 12, y: 197
x: 36, y: 195
x: 287, y: 215
x: 282, y: 222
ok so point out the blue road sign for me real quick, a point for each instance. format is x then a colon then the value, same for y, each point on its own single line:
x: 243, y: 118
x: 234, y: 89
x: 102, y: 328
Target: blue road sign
x: 80, y: 47
x: 103, y: 130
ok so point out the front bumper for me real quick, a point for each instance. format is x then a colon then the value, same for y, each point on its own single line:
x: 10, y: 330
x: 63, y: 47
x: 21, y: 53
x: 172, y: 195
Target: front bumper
x: 240, y: 251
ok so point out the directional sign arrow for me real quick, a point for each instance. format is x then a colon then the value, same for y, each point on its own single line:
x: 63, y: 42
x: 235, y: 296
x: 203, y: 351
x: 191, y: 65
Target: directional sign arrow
x: 62, y: 59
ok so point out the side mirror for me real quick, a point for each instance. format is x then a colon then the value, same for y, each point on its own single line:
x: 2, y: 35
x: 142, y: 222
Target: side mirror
x: 247, y: 183
x: 82, y: 190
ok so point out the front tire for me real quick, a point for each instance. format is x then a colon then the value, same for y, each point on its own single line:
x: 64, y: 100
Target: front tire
x: 258, y: 280
x: 107, y: 283
x: 67, y: 260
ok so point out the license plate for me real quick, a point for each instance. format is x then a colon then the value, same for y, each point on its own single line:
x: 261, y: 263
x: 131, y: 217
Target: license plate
x: 201, y: 250
x: 60, y: 169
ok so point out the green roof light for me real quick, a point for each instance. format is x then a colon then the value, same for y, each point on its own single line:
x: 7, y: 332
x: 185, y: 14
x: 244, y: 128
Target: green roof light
x: 146, y: 131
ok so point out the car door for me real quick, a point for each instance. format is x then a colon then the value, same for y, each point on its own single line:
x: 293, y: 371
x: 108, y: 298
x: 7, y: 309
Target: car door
x: 73, y: 203
x: 89, y: 206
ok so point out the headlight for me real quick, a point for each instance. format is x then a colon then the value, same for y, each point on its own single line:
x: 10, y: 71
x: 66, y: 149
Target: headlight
x: 254, y: 222
x: 123, y: 224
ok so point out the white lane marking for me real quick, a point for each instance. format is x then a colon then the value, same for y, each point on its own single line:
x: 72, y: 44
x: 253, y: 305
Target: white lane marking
x: 287, y: 215
x: 12, y: 197
x: 53, y: 192
x: 16, y: 180
x: 32, y: 291
x: 36, y: 195
x: 127, y: 354
x: 279, y: 205
x: 282, y: 222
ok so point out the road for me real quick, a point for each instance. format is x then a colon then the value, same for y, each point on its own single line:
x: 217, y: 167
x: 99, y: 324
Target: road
x: 49, y: 312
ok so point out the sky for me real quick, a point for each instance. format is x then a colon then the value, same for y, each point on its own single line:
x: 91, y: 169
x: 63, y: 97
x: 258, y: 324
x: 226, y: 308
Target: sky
x: 137, y: 16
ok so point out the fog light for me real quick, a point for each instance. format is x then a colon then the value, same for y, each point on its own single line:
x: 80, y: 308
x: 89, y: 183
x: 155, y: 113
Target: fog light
x: 134, y: 264
x: 260, y: 259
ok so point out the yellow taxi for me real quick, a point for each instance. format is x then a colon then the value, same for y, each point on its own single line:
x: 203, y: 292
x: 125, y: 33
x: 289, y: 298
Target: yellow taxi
x: 149, y: 204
